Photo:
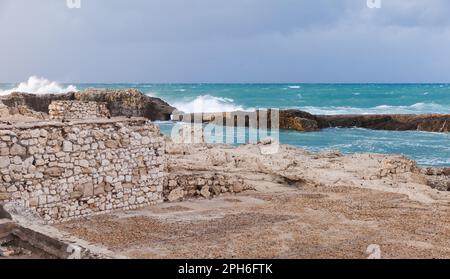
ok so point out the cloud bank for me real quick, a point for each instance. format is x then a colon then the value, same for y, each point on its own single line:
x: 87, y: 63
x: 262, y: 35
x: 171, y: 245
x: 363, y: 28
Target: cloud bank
x: 225, y: 41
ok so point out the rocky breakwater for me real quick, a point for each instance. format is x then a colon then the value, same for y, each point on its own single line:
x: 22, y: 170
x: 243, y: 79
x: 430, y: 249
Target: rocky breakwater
x: 305, y: 122
x: 120, y: 102
x: 393, y: 122
x: 70, y: 169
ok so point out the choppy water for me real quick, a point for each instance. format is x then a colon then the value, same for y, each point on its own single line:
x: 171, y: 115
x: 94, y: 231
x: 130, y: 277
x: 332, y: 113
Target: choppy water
x: 426, y: 148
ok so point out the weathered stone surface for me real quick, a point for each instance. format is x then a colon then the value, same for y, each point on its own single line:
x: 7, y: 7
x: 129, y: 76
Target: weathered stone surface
x: 190, y: 184
x: 176, y: 195
x: 67, y: 146
x: 5, y: 196
x: 300, y: 124
x: 88, y: 190
x: 4, y: 111
x: 64, y: 172
x: 128, y: 102
x: 238, y: 187
x: 121, y: 102
x: 71, y: 110
x: 54, y: 172
x: 4, y: 162
x: 205, y: 192
x: 18, y: 150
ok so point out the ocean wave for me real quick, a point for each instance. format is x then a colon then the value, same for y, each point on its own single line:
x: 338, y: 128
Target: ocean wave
x: 418, y: 108
x: 207, y: 103
x: 39, y: 85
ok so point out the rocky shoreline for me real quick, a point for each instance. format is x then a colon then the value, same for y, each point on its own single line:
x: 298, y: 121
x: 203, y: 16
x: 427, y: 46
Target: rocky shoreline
x: 257, y: 194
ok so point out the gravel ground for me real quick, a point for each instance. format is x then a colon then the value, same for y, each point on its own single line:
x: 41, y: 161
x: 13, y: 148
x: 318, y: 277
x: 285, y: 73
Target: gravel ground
x: 306, y: 222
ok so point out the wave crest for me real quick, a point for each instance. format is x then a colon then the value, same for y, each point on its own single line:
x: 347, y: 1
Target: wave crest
x: 38, y: 85
x: 207, y: 103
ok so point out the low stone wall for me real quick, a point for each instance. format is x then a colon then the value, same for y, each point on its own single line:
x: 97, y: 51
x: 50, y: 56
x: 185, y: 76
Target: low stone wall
x: 180, y: 186
x: 77, y: 110
x: 78, y: 168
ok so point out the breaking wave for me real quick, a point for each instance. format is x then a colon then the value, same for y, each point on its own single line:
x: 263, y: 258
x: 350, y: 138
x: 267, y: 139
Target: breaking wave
x: 207, y: 103
x: 38, y: 85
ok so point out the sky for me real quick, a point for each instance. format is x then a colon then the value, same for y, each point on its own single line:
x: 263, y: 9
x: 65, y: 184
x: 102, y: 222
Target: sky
x: 225, y: 41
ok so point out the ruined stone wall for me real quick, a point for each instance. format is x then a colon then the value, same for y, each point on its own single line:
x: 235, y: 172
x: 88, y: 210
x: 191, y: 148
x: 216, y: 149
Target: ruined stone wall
x: 77, y: 110
x: 67, y: 170
x: 180, y: 186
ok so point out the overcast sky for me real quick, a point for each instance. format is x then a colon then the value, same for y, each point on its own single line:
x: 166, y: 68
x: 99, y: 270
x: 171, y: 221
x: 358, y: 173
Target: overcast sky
x: 225, y: 41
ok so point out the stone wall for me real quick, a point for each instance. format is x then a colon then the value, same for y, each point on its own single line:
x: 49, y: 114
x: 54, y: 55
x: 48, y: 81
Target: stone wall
x: 77, y: 110
x: 78, y: 168
x: 180, y: 186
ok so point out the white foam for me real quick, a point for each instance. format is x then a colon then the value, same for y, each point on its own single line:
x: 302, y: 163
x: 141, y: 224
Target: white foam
x: 295, y: 87
x: 207, y: 103
x: 418, y: 108
x: 39, y: 85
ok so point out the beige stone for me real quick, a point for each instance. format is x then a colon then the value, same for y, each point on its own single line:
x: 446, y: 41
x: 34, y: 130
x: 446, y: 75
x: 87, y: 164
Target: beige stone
x: 54, y: 171
x: 238, y: 187
x: 4, y: 151
x: 88, y: 190
x: 5, y: 196
x: 99, y: 190
x: 4, y: 162
x: 205, y: 192
x: 176, y: 195
x: 67, y: 146
x: 18, y: 150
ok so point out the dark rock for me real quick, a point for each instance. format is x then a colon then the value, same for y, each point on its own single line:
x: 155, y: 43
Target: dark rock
x: 35, y: 102
x: 394, y: 122
x: 120, y: 102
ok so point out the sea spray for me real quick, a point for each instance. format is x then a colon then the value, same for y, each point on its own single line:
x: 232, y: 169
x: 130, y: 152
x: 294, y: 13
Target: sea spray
x: 38, y: 85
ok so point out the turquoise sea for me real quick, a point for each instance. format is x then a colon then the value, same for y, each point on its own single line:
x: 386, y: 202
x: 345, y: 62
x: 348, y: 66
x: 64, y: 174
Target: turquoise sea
x: 426, y: 148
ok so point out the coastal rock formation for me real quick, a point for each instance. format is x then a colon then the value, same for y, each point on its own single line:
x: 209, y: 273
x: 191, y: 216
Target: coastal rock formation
x: 438, y: 178
x: 298, y: 120
x: 34, y: 102
x: 393, y: 122
x: 302, y: 121
x: 120, y: 102
x: 128, y: 102
x: 296, y: 167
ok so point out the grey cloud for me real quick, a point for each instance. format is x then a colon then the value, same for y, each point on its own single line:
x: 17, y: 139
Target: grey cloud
x: 225, y: 41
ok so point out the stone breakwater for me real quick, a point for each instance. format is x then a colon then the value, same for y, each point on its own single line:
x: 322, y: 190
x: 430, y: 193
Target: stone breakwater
x: 83, y: 167
x: 302, y: 121
x: 78, y: 110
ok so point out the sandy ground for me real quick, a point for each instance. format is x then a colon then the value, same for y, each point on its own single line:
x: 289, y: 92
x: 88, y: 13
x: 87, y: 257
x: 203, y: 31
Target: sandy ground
x: 288, y: 222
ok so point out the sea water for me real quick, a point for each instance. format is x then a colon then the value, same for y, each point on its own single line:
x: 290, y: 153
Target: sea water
x: 427, y: 148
